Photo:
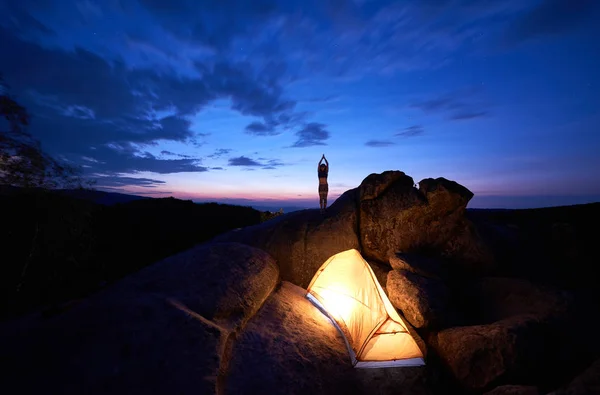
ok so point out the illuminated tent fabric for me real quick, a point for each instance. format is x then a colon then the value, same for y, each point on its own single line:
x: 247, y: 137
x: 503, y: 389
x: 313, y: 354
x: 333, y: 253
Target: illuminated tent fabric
x: 347, y: 291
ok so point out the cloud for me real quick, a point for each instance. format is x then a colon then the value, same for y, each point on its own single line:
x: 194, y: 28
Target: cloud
x: 343, y: 39
x: 272, y: 164
x: 165, y: 152
x: 213, y: 24
x: 116, y: 181
x: 115, y: 159
x: 323, y: 99
x: 178, y: 128
x: 116, y: 105
x: 311, y: 134
x: 219, y: 153
x: 468, y: 115
x: 462, y: 104
x: 438, y: 104
x: 552, y: 17
x: 265, y: 164
x: 243, y: 161
x: 378, y: 143
x: 22, y: 21
x: 411, y: 131
x: 261, y: 129
x: 152, y: 193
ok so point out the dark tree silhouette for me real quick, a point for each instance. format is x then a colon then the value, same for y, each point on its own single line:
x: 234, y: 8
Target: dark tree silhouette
x: 23, y: 163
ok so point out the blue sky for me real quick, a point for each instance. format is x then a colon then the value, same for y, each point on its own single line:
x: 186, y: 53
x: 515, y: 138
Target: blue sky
x: 236, y: 101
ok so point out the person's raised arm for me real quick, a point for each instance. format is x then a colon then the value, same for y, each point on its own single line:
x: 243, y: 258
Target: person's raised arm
x: 326, y: 163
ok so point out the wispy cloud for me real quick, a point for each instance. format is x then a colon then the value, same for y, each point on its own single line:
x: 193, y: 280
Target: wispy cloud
x: 261, y: 129
x: 462, y: 104
x: 272, y: 164
x: 169, y: 153
x: 219, y: 153
x: 266, y: 164
x: 243, y: 161
x: 378, y: 143
x: 311, y: 134
x: 411, y: 131
x: 550, y: 18
x: 116, y: 181
x: 322, y: 99
x: 458, y: 116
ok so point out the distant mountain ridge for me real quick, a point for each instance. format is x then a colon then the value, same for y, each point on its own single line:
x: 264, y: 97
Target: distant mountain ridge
x: 111, y: 198
x: 101, y: 197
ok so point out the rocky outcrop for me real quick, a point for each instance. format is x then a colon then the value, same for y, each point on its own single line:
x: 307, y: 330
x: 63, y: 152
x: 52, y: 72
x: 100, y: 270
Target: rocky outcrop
x: 302, y: 241
x: 223, y: 282
x: 397, y: 217
x: 481, y: 355
x: 524, y: 335
x: 386, y: 202
x: 120, y: 345
x: 165, y: 329
x: 217, y: 319
x: 423, y: 301
x: 385, y: 215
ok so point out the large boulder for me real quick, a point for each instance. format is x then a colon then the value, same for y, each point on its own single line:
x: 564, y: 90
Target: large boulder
x: 425, y: 302
x: 290, y: 347
x: 397, y: 217
x: 527, y: 333
x: 479, y: 356
x: 302, y: 241
x: 164, y: 329
x: 223, y: 282
x: 386, y: 201
x: 568, y: 331
x: 122, y: 345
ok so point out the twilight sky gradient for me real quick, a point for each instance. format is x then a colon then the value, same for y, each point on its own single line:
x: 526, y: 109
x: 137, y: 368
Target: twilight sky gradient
x: 236, y: 100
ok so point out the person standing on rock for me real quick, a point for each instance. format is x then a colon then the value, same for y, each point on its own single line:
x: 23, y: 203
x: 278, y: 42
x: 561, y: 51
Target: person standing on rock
x: 323, y: 172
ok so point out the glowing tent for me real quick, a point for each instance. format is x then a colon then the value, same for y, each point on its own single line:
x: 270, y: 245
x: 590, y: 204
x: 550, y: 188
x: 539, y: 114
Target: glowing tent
x: 347, y: 291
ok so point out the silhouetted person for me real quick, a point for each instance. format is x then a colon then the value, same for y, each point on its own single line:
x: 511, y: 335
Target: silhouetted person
x: 323, y: 171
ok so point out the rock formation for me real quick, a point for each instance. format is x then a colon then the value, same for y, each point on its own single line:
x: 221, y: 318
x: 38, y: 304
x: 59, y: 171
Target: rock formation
x: 162, y: 330
x: 525, y: 331
x: 231, y: 317
x: 385, y: 215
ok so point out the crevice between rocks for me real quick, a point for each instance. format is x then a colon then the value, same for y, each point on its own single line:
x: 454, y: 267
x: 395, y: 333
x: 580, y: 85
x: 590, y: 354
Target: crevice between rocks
x: 357, y: 230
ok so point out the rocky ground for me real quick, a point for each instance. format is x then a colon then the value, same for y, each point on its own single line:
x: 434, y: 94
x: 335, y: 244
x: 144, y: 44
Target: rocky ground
x: 230, y: 316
